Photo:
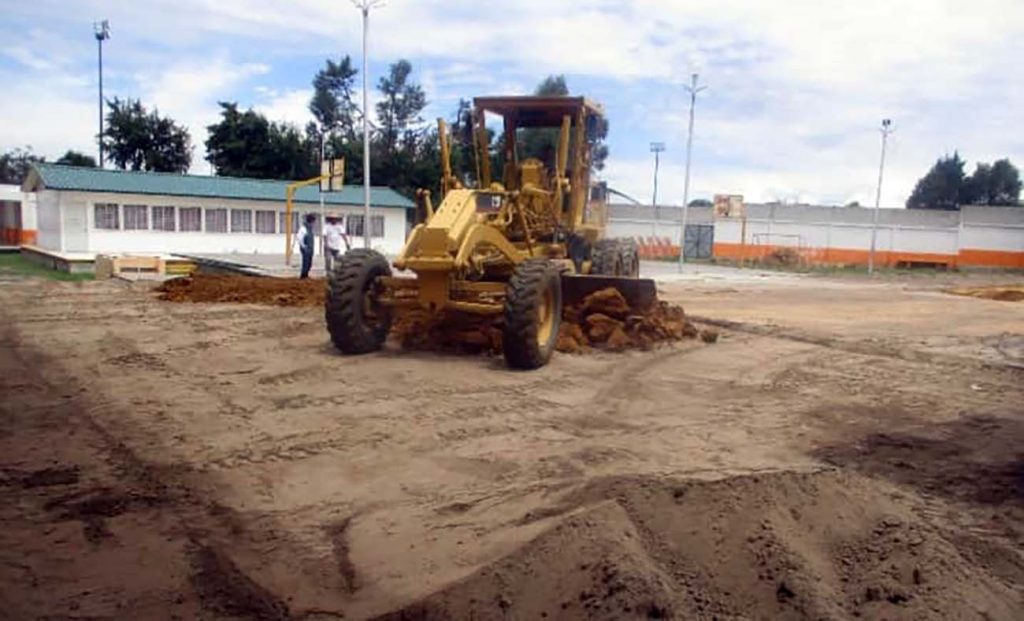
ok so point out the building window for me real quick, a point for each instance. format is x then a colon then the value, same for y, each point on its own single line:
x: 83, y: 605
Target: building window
x: 136, y: 218
x: 106, y: 216
x: 376, y: 226
x: 217, y: 220
x: 265, y: 221
x: 241, y: 221
x: 190, y: 219
x: 284, y: 222
x: 354, y: 225
x: 163, y: 219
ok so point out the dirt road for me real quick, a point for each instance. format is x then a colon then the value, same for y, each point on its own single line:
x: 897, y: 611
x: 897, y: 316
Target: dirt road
x: 846, y: 449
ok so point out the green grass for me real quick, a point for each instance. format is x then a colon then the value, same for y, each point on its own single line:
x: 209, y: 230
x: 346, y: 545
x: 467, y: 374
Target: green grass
x: 15, y: 265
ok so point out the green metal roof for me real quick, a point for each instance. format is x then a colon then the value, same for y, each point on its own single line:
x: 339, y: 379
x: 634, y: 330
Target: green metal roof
x: 60, y: 177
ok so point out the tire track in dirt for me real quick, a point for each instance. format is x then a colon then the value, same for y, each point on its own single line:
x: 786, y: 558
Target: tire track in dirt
x: 904, y: 353
x: 208, y: 526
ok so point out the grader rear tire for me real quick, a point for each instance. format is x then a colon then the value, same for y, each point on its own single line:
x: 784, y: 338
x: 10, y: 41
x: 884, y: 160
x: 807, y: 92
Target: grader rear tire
x: 356, y: 324
x: 533, y: 314
x: 607, y: 258
x: 630, y: 258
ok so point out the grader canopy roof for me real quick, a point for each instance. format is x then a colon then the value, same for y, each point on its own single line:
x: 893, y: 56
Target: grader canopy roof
x: 533, y: 111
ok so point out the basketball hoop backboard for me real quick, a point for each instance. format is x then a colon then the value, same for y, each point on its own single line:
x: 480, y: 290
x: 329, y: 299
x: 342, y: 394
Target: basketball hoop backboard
x: 332, y: 175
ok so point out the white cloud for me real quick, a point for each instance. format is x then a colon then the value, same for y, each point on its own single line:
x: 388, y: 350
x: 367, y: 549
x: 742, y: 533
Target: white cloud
x: 796, y: 89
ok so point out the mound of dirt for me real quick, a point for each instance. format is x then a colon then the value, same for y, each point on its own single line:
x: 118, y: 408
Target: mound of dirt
x: 603, y: 320
x: 244, y: 290
x: 784, y: 545
x: 1003, y: 294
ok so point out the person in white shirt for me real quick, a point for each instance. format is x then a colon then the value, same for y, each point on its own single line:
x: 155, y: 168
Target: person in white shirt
x: 304, y: 240
x: 334, y: 235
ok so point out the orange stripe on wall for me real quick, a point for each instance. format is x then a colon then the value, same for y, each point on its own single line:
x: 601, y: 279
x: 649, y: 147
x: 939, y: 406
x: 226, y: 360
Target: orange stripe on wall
x: 15, y: 237
x: 991, y: 258
x: 850, y: 256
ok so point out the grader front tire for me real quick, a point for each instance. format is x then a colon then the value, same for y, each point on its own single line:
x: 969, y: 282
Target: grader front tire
x: 533, y: 314
x: 356, y: 324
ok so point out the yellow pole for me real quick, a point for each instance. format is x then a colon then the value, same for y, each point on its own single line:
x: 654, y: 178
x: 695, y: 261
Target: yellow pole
x: 289, y: 193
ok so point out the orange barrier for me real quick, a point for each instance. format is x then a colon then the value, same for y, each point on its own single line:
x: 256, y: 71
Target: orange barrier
x: 655, y: 248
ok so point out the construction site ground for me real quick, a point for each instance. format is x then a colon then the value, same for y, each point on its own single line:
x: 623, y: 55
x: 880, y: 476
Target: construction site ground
x: 849, y: 448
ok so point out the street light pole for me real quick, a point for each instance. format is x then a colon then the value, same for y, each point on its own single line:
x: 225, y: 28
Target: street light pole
x: 365, y: 6
x: 694, y: 89
x: 102, y: 31
x: 656, y: 149
x: 886, y: 129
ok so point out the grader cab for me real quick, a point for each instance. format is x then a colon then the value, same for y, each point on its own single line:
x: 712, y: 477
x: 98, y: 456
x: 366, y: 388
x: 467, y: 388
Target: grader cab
x: 516, y: 245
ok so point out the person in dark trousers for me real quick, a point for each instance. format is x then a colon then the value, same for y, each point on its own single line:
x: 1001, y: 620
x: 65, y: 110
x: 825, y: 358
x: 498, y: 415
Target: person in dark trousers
x: 305, y: 239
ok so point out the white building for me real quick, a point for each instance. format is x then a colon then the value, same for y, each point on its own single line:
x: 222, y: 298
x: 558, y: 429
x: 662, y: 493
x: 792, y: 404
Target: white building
x: 88, y: 211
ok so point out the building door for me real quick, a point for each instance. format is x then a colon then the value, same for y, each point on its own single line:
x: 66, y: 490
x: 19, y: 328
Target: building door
x: 699, y: 240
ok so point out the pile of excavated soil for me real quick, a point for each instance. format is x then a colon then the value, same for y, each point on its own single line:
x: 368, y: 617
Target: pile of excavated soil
x: 244, y: 290
x: 603, y: 320
x: 821, y: 545
x: 1003, y: 294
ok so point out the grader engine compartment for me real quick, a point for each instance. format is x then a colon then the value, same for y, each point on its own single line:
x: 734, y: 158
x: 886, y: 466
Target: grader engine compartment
x: 517, y: 244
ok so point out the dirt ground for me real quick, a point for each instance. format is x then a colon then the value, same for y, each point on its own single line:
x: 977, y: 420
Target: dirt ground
x: 847, y: 449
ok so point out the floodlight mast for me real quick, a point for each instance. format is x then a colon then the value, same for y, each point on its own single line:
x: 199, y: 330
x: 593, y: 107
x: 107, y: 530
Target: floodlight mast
x: 886, y: 129
x: 656, y: 149
x: 101, y: 30
x: 693, y: 89
x: 364, y: 6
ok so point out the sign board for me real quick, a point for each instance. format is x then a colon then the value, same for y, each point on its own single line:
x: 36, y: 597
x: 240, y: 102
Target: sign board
x: 729, y: 206
x: 332, y: 175
x: 488, y: 203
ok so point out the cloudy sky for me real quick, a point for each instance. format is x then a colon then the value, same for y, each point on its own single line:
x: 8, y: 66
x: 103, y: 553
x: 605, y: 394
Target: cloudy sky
x: 796, y: 89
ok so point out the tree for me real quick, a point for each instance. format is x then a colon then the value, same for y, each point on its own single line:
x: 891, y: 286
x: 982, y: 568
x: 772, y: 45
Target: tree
x: 332, y: 103
x: 853, y: 204
x: 941, y: 187
x: 543, y: 143
x: 77, y: 158
x: 246, y: 144
x: 15, y: 164
x: 142, y: 140
x: 463, y: 155
x: 1003, y: 184
x: 946, y: 187
x: 399, y: 111
x: 700, y: 202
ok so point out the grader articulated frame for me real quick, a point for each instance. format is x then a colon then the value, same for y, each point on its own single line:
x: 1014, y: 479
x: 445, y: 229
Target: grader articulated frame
x: 519, y: 246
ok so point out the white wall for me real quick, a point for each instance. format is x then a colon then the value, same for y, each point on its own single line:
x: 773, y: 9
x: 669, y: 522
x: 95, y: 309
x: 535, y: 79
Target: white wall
x: 644, y: 228
x: 78, y: 219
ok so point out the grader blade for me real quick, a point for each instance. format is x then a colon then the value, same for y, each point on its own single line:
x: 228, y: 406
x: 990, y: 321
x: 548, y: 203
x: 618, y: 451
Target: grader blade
x: 640, y: 293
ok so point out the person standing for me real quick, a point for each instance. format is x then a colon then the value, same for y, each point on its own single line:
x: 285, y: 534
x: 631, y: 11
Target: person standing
x: 334, y: 236
x: 305, y: 242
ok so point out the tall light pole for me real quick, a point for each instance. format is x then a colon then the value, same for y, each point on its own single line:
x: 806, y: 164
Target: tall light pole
x: 102, y: 31
x: 364, y: 6
x: 656, y: 149
x: 886, y: 129
x: 694, y: 89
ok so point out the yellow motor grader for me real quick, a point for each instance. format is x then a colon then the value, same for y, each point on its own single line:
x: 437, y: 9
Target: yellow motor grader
x: 519, y: 245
